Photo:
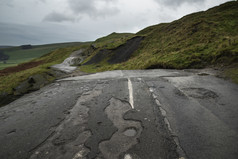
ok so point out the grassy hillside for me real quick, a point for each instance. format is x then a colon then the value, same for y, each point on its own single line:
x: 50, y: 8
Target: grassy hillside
x: 195, y: 41
x: 198, y: 40
x: 18, y: 55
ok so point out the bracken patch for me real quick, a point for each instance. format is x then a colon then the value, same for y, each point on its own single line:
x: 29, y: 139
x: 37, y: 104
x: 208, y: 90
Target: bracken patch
x: 20, y: 67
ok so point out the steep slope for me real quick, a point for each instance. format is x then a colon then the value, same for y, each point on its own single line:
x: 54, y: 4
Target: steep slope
x: 117, y: 55
x: 195, y: 41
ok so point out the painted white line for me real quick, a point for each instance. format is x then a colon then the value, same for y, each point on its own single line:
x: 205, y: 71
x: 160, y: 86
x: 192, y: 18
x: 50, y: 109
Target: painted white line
x: 130, y: 93
x: 127, y: 156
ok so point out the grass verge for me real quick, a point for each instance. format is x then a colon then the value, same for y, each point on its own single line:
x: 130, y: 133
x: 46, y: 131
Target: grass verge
x: 232, y: 73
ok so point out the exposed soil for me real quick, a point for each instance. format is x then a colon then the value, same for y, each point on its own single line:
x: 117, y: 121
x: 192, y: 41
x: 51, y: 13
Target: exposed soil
x: 119, y: 54
x: 124, y: 52
x: 20, y: 67
x: 102, y: 54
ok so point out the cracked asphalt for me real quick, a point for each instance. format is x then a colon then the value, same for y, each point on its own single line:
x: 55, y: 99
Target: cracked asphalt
x: 143, y: 114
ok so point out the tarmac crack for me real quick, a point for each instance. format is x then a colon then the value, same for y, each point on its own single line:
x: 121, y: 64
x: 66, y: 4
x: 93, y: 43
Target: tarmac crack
x: 181, y: 152
x: 41, y: 143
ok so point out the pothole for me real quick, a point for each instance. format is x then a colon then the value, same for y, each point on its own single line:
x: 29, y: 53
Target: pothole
x: 130, y: 132
x: 201, y: 93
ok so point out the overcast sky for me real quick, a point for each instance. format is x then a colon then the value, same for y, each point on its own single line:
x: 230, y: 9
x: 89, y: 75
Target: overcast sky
x: 53, y: 21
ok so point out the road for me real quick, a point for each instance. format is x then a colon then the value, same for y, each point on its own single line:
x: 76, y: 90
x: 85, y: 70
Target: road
x: 70, y: 64
x: 150, y: 114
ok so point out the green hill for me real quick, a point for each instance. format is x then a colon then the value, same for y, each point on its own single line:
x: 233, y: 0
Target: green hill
x: 20, y: 54
x: 198, y: 40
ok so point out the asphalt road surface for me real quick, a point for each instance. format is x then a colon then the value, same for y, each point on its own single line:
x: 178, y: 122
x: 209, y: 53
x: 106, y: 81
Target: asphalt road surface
x: 151, y: 114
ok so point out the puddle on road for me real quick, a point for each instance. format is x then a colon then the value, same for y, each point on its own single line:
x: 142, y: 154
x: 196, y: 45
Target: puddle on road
x: 130, y: 132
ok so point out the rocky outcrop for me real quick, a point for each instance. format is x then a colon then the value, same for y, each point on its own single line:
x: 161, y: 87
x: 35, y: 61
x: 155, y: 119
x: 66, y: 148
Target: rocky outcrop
x: 33, y: 83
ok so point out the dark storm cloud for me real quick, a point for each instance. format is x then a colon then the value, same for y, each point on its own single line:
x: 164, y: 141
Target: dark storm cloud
x: 93, y: 8
x: 58, y: 17
x: 178, y: 2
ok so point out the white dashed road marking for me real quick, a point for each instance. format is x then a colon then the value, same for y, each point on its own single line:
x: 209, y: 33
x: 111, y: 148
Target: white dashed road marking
x: 131, y: 101
x: 127, y: 156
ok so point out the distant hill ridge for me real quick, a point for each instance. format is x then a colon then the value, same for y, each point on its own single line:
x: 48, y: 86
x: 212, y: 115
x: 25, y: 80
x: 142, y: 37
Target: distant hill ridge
x: 3, y: 47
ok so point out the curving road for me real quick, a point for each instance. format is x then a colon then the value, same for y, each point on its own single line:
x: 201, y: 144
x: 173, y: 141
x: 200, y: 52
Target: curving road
x: 150, y: 114
x: 70, y: 64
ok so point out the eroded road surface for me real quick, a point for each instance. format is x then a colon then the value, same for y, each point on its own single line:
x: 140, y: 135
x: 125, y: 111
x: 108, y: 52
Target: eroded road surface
x: 151, y: 114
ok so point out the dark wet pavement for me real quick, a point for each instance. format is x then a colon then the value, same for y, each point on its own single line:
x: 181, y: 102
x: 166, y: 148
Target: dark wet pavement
x: 148, y: 114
